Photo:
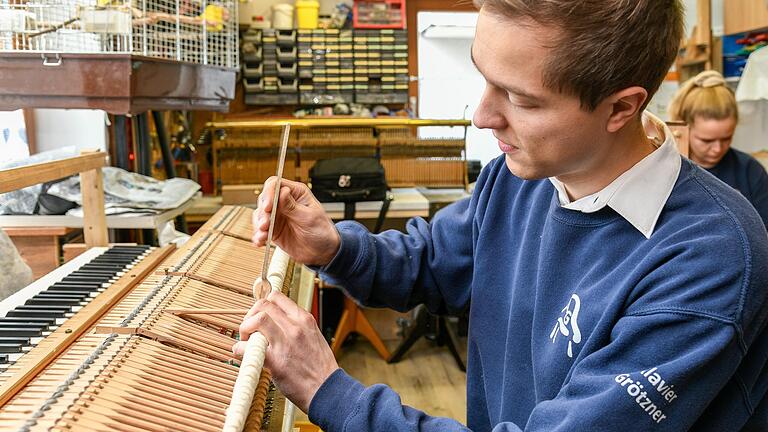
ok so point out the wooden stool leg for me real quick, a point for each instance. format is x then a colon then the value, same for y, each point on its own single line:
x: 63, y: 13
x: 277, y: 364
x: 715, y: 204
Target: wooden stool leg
x: 364, y: 327
x: 346, y: 326
x: 353, y: 320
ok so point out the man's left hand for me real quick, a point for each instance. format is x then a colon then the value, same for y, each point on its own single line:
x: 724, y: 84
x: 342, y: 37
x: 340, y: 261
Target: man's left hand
x: 298, y: 355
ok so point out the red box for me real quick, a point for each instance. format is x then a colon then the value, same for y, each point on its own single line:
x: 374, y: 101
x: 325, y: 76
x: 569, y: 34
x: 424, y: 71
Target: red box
x: 378, y: 14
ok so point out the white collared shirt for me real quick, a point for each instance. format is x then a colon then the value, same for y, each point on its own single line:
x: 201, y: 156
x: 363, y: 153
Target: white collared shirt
x: 640, y: 193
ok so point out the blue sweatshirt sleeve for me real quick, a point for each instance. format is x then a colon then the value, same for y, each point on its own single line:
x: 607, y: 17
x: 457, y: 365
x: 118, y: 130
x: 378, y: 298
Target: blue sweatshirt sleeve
x: 431, y: 263
x: 758, y: 179
x: 659, y: 372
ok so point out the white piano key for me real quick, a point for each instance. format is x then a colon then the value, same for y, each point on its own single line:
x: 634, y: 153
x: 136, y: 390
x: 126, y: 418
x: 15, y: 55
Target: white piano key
x: 19, y: 297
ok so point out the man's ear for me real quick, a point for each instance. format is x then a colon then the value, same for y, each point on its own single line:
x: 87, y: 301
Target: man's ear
x: 625, y: 105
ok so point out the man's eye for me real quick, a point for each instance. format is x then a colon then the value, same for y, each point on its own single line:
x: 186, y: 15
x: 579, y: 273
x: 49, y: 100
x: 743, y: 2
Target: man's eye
x: 521, y: 105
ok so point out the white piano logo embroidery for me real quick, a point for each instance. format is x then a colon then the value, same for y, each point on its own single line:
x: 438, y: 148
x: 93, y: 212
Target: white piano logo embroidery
x: 568, y: 325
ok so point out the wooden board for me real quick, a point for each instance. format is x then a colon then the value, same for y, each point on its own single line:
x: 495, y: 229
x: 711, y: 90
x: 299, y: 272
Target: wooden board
x: 41, y: 253
x: 17, y: 178
x: 744, y: 15
x: 240, y: 194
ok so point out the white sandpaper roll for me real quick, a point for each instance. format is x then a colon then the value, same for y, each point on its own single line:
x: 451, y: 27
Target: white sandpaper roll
x: 253, y: 357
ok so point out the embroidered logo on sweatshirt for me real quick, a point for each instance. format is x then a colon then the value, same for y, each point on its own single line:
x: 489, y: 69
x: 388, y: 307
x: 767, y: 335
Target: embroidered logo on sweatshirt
x: 568, y: 324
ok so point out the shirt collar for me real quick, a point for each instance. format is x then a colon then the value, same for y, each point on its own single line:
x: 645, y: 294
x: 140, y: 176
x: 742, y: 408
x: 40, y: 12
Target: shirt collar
x: 640, y: 193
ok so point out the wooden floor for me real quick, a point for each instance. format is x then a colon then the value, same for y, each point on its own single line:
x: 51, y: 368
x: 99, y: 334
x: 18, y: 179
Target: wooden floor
x: 427, y: 378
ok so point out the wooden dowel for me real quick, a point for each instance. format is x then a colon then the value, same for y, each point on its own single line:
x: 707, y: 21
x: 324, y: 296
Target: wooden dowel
x: 181, y: 312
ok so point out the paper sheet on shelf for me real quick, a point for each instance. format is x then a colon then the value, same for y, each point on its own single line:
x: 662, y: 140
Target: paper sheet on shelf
x: 130, y: 190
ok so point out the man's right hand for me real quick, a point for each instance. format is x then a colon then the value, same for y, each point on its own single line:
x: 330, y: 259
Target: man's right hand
x: 302, y: 228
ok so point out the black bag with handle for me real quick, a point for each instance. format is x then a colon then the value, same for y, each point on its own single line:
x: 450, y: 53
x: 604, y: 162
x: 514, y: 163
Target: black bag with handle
x: 351, y: 180
x: 348, y: 179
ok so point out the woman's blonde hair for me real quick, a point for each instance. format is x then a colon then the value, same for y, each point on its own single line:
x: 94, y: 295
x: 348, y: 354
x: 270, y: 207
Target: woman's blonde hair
x: 707, y: 96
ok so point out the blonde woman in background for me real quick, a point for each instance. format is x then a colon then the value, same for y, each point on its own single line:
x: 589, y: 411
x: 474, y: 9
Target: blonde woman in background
x: 709, y: 107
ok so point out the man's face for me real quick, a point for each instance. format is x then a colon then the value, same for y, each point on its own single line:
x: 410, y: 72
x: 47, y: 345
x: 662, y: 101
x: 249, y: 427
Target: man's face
x: 543, y: 133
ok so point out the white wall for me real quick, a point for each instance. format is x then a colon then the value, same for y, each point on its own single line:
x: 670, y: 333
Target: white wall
x: 13, y: 136
x: 57, y: 128
x: 449, y: 82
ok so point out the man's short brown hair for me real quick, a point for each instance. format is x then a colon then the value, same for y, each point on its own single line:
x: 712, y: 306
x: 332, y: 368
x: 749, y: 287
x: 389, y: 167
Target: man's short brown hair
x: 602, y: 46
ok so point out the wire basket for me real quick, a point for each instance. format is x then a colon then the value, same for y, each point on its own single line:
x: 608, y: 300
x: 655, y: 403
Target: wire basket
x: 194, y: 31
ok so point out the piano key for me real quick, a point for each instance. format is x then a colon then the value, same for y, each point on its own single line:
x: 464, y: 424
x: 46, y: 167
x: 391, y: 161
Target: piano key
x: 92, y: 273
x: 115, y: 261
x: 13, y: 339
x: 39, y: 325
x: 64, y: 294
x: 10, y: 347
x: 88, y: 295
x: 53, y: 301
x: 74, y: 288
x: 38, y: 313
x: 8, y: 320
x: 88, y: 276
x: 20, y: 331
x: 14, y: 357
x: 25, y: 307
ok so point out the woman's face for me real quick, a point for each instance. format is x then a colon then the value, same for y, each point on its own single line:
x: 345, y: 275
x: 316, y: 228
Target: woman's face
x: 710, y: 139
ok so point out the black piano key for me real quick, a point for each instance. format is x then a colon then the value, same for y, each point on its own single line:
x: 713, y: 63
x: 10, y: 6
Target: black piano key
x: 48, y: 312
x: 17, y: 320
x: 121, y: 253
x: 136, y: 252
x: 74, y: 287
x: 54, y: 301
x: 109, y: 265
x: 87, y: 280
x: 10, y: 348
x: 72, y: 283
x: 67, y: 294
x: 92, y: 273
x: 20, y: 331
x: 113, y: 260
x: 106, y: 264
x: 32, y: 323
x: 129, y: 247
x: 110, y: 268
x: 3, y: 358
x: 32, y: 307
x: 38, y: 313
x: 16, y: 340
x: 85, y: 294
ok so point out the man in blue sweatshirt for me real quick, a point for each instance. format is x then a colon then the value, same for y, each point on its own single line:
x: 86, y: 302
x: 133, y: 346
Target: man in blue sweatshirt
x: 611, y: 284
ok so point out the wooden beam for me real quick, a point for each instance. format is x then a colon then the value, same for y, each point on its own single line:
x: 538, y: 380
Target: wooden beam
x: 94, y: 218
x: 29, y: 175
x: 31, y: 128
x: 339, y: 122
